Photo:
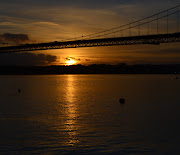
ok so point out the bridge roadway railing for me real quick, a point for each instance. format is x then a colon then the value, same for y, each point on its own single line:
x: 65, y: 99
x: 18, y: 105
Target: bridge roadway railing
x: 133, y: 40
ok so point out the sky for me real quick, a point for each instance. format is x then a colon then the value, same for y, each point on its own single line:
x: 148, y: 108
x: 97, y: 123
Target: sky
x: 35, y: 21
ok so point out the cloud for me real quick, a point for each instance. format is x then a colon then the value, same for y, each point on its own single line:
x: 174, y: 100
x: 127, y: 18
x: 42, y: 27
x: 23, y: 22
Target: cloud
x: 27, y: 59
x: 14, y: 38
x: 72, y: 58
x: 59, y: 20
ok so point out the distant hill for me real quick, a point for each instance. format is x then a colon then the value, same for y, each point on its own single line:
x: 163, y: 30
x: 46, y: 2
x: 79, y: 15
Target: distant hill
x: 91, y: 69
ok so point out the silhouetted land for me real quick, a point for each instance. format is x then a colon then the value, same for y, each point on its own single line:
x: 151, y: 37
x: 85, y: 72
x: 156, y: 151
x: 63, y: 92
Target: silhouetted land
x: 91, y: 69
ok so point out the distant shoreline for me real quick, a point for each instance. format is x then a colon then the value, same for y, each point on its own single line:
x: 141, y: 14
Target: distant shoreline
x: 91, y: 74
x: 92, y: 69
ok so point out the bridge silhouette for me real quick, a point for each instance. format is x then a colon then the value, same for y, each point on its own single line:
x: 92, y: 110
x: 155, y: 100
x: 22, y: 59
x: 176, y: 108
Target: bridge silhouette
x: 162, y: 27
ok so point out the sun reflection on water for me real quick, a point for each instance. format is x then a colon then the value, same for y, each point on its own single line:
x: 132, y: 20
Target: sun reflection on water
x: 71, y: 112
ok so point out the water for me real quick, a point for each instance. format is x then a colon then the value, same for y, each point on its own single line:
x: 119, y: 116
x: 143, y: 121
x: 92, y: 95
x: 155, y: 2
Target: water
x: 81, y: 114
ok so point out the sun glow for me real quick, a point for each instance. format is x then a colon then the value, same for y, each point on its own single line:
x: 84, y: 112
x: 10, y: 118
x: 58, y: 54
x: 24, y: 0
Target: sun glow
x: 70, y: 62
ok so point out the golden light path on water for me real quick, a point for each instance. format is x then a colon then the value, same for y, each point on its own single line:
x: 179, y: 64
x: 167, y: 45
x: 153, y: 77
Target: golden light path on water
x: 71, y: 112
x: 66, y: 120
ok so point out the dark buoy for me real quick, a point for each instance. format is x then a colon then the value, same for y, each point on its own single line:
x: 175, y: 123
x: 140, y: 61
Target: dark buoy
x: 122, y: 100
x: 19, y: 90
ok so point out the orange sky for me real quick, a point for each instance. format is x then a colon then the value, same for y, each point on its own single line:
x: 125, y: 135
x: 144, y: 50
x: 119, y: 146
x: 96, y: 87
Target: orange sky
x: 45, y: 21
x: 134, y: 54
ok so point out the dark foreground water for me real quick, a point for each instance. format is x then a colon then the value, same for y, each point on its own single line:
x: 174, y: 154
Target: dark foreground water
x: 81, y: 114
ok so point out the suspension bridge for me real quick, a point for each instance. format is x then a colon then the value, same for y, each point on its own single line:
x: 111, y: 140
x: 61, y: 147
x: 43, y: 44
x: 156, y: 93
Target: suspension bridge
x: 162, y: 27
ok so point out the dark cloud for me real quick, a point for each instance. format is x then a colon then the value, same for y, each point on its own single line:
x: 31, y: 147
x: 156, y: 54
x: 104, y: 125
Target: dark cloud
x: 67, y: 58
x: 169, y: 51
x: 79, y: 3
x: 84, y: 3
x: 88, y: 59
x: 26, y: 59
x: 72, y: 58
x: 13, y: 38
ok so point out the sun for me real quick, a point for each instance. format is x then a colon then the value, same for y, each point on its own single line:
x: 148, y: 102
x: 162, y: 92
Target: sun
x: 70, y: 62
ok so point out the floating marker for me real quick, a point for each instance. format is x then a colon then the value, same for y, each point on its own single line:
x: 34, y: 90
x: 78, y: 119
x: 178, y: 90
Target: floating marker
x: 19, y: 90
x: 122, y: 100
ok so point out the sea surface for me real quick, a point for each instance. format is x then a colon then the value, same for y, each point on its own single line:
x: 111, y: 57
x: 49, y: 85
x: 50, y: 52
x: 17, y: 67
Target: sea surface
x: 81, y: 114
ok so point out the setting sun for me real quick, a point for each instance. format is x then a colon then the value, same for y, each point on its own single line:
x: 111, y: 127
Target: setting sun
x: 70, y: 62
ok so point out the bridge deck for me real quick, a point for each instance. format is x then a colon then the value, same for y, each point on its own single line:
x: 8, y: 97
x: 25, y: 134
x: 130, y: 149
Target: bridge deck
x: 133, y: 40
